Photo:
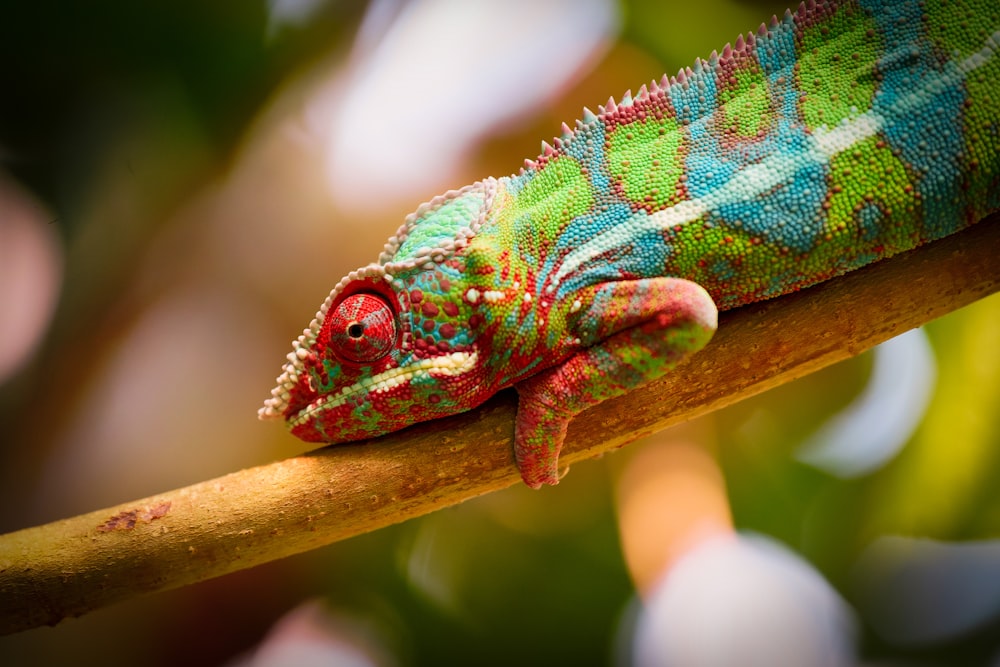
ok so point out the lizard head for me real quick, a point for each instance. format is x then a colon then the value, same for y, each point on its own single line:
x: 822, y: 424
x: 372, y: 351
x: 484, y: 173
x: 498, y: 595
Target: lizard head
x: 397, y: 342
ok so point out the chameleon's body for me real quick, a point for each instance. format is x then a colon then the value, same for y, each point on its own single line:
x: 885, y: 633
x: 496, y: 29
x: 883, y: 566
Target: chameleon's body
x: 842, y: 134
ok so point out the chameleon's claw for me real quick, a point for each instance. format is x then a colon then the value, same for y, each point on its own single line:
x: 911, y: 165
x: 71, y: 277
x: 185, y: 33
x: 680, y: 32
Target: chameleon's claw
x: 539, y: 432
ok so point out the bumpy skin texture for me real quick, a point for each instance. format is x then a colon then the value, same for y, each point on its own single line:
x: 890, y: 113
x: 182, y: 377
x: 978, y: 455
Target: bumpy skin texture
x: 837, y: 136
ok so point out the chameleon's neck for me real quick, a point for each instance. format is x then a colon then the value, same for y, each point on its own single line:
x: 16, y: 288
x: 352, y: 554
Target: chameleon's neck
x: 837, y: 136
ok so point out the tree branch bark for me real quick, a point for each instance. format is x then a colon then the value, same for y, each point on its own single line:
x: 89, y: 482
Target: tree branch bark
x: 69, y: 567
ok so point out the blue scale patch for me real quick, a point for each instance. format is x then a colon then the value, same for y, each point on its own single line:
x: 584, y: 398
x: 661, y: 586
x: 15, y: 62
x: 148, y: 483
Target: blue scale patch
x: 591, y: 139
x: 921, y: 127
x: 642, y: 251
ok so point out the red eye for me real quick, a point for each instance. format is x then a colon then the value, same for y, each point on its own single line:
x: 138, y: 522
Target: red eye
x: 362, y: 328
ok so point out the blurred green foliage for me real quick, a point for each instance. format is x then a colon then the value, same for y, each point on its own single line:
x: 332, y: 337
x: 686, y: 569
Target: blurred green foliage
x: 77, y: 76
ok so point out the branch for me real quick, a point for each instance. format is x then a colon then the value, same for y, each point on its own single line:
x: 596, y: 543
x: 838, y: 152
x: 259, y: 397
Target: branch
x: 70, y: 567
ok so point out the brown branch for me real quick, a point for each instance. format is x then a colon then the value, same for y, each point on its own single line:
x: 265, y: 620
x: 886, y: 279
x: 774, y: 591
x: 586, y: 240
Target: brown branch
x: 69, y: 567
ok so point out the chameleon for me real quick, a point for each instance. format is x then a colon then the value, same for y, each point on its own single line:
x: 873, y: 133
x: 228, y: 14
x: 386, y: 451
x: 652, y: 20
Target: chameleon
x: 840, y: 134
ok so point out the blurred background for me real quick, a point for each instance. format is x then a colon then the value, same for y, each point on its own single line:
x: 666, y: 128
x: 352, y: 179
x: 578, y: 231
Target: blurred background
x: 180, y: 186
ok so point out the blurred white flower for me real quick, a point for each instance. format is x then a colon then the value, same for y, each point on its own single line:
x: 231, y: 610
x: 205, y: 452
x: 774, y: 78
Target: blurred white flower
x: 743, y: 600
x: 874, y: 428
x: 312, y: 636
x: 30, y: 275
x: 918, y: 591
x: 437, y: 76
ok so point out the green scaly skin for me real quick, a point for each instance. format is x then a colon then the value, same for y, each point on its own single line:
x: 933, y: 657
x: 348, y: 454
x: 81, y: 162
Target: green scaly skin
x: 842, y: 134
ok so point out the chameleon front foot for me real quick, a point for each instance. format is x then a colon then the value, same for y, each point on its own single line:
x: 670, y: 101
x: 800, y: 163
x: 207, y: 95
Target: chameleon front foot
x: 642, y: 329
x: 540, y: 430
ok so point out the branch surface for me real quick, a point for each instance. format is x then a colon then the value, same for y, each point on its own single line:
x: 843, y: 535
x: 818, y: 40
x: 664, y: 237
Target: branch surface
x: 69, y: 567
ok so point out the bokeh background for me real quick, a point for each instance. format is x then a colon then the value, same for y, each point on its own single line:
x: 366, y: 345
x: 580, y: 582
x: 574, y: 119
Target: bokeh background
x: 181, y: 184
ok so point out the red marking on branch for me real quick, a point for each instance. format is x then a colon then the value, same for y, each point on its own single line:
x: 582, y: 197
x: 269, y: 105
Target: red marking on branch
x: 128, y: 519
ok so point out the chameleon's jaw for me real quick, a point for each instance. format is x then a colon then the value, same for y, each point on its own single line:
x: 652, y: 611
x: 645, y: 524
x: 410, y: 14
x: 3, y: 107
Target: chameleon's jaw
x: 383, y: 402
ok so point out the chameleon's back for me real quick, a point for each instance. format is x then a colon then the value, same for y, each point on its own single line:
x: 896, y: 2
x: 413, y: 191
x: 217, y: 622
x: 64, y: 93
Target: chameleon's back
x: 848, y: 133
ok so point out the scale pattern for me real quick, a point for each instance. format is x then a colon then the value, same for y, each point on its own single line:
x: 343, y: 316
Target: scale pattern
x: 839, y: 135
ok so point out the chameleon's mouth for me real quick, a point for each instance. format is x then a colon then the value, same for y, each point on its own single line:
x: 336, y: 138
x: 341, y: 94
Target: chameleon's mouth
x: 387, y: 382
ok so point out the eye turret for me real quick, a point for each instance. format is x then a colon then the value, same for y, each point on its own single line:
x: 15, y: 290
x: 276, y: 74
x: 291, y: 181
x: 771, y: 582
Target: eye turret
x: 362, y: 328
